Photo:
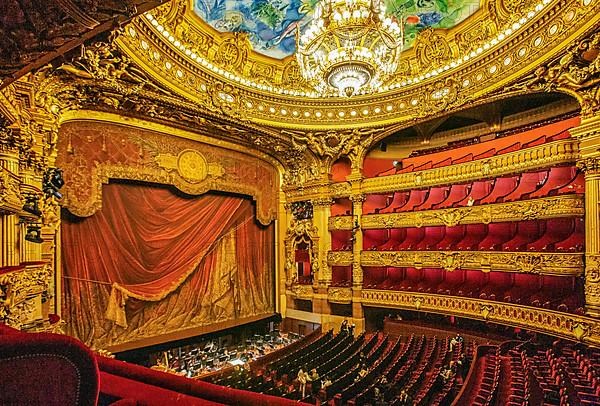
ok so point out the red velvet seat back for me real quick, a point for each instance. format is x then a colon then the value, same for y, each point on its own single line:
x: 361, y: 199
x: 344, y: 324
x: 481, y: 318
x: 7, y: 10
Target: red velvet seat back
x: 46, y: 369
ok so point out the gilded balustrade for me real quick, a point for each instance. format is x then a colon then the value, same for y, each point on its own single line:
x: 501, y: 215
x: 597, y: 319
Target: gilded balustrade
x: 546, y: 155
x: 542, y: 263
x: 569, y: 326
x: 534, y: 209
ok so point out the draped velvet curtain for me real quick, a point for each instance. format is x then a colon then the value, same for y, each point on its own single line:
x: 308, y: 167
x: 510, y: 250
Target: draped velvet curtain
x: 127, y: 263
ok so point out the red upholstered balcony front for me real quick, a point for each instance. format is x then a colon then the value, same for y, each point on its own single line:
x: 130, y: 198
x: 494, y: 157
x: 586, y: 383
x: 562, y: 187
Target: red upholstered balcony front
x: 396, y: 236
x: 528, y: 231
x: 433, y: 236
x: 399, y: 200
x: 372, y: 239
x: 457, y: 193
x: 556, y: 230
x: 452, y: 236
x: 558, y: 177
x: 562, y: 293
x: 436, y: 195
x: 502, y: 187
x: 529, y: 182
x: 413, y: 237
x: 497, y: 234
x: 416, y: 198
x: 575, y: 241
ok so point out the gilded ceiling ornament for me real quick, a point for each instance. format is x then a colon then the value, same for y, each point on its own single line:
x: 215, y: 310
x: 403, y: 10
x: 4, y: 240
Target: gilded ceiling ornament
x: 331, y: 144
x: 233, y: 52
x: 576, y: 72
x: 432, y: 49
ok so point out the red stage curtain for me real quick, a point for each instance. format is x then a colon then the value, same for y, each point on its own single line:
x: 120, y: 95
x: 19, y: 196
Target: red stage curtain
x: 147, y: 241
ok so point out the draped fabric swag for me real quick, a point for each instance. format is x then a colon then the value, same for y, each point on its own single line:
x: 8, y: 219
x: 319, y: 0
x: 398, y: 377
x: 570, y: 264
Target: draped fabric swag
x: 148, y: 243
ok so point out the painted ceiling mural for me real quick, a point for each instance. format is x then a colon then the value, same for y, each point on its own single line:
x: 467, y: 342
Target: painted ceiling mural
x: 271, y: 24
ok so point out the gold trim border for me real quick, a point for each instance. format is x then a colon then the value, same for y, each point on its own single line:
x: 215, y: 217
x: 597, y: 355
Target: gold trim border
x: 569, y: 326
x: 543, y: 263
x: 572, y: 205
x: 543, y: 156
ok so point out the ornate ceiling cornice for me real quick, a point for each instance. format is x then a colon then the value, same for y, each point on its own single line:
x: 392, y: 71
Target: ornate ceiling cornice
x: 502, y: 42
x: 35, y: 32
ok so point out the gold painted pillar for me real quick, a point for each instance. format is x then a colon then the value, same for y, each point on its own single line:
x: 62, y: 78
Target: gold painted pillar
x: 321, y: 214
x: 588, y: 134
x: 9, y: 223
x: 357, y: 198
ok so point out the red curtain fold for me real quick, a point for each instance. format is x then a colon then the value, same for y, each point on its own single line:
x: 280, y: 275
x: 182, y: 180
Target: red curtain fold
x: 146, y: 241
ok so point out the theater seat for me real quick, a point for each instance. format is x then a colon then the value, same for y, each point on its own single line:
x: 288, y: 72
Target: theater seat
x: 46, y: 369
x: 416, y: 198
x: 575, y: 241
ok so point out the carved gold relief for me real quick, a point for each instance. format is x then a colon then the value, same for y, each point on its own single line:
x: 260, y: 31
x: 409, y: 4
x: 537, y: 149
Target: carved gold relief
x: 551, y: 322
x: 520, y: 161
x: 566, y: 264
x: 432, y: 49
x: 543, y: 208
x: 340, y: 257
x: 21, y: 295
x: 339, y: 295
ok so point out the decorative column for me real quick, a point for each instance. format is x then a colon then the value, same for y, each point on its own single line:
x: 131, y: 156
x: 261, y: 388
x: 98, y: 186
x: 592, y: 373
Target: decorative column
x: 588, y: 134
x: 321, y: 214
x: 357, y: 198
x: 9, y: 223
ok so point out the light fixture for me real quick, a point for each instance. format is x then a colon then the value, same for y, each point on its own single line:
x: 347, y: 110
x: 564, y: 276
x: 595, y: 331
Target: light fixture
x: 53, y: 181
x: 32, y: 206
x: 34, y: 234
x: 350, y: 47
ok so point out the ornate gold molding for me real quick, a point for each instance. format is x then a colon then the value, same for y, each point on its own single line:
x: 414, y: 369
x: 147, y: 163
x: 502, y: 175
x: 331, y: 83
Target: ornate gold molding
x: 341, y: 258
x: 553, y: 153
x: 301, y: 231
x: 543, y: 208
x: 545, y: 155
x: 10, y: 193
x: 304, y: 292
x: 569, y: 326
x: 21, y: 294
x: 339, y: 295
x: 445, y: 68
x: 151, y: 156
x: 576, y: 72
x: 543, y: 263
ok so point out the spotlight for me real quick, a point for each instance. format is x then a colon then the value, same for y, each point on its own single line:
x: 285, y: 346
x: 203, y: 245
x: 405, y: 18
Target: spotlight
x: 56, y: 178
x: 53, y: 192
x: 31, y: 206
x: 53, y: 181
x: 34, y: 234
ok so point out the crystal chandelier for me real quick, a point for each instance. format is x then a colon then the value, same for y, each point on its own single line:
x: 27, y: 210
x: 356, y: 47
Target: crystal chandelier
x: 349, y: 47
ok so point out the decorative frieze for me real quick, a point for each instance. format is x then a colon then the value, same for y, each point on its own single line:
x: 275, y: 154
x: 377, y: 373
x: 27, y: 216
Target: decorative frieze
x: 544, y: 263
x: 534, y: 209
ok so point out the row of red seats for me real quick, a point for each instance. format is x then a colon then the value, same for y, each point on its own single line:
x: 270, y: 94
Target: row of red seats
x: 484, y: 378
x: 561, y: 293
x: 559, y: 368
x: 548, y: 182
x: 558, y: 234
x: 406, y: 165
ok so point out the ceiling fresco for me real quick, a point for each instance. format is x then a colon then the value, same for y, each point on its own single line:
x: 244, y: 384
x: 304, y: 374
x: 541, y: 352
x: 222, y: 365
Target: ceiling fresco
x: 271, y: 24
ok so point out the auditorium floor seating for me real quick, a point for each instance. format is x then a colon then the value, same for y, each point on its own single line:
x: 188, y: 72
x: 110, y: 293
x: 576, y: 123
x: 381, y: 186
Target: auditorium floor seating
x: 431, y: 369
